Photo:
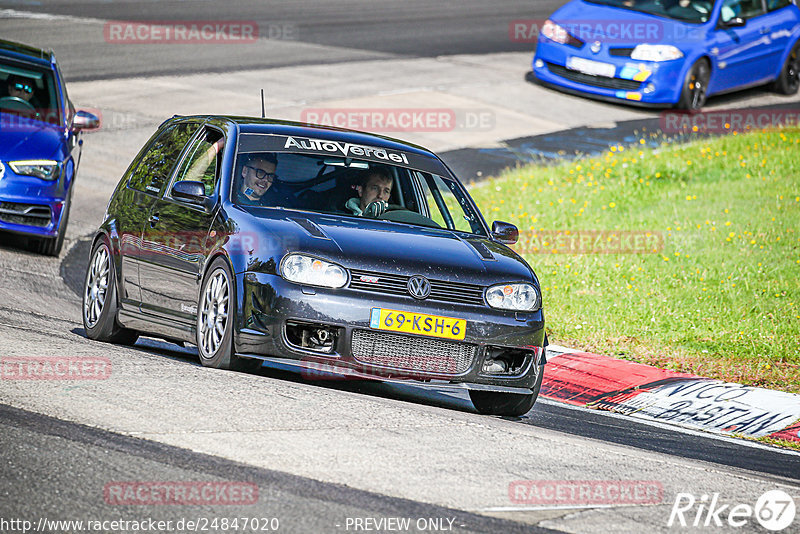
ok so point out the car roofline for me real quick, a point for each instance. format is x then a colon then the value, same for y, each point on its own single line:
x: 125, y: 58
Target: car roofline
x: 24, y: 52
x: 304, y: 129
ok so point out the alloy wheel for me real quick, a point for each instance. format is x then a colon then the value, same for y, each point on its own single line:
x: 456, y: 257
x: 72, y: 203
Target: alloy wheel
x: 213, y: 318
x: 793, y: 69
x: 94, y: 298
x: 697, y: 87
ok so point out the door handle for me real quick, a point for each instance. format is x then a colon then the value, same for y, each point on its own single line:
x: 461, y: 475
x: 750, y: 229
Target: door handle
x: 765, y: 30
x: 153, y: 220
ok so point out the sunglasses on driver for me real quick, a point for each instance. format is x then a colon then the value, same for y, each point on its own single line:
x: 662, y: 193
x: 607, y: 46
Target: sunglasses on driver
x: 23, y: 87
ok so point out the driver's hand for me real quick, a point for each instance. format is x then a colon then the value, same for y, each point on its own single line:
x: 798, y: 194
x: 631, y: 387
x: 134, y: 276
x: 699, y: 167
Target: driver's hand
x: 376, y: 208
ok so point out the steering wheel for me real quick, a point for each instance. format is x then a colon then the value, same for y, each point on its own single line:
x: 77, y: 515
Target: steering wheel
x: 396, y: 213
x: 16, y: 103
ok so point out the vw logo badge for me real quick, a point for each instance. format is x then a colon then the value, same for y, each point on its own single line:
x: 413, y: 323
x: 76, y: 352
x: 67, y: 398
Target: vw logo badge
x: 419, y: 287
x: 596, y: 46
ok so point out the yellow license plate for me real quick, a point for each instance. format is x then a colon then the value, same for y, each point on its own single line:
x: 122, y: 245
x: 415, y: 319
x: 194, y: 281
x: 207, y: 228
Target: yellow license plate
x: 418, y: 323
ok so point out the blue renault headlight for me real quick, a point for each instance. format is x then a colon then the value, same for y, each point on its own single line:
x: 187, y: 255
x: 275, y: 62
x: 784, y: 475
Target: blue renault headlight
x: 649, y: 52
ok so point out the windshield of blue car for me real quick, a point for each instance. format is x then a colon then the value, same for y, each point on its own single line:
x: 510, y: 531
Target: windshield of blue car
x: 27, y: 91
x: 694, y: 11
x: 347, y: 187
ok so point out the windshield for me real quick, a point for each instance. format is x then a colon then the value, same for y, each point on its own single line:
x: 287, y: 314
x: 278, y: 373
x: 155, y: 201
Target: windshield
x: 28, y: 92
x: 696, y: 11
x: 352, y: 188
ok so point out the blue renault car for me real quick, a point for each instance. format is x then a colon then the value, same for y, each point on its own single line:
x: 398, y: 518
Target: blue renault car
x: 665, y: 53
x: 40, y: 146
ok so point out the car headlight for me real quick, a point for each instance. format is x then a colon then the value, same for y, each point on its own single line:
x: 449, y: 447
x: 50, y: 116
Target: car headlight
x: 312, y: 271
x: 554, y: 32
x: 647, y: 52
x: 516, y: 297
x: 46, y: 169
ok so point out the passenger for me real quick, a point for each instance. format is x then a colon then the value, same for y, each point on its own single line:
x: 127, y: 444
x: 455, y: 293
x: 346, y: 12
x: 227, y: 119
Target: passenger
x: 374, y: 189
x: 258, y: 178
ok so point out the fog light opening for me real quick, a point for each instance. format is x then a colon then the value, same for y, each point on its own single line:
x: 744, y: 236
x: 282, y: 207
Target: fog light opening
x: 316, y: 337
x: 505, y: 361
x: 539, y: 63
x: 649, y: 88
x: 493, y: 367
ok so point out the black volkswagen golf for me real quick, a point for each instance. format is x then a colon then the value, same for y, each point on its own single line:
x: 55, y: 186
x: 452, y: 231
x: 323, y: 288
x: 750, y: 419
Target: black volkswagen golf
x: 319, y: 248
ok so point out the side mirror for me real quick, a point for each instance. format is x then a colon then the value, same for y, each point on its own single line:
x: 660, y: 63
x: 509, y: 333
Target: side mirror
x: 84, y: 120
x: 189, y: 191
x: 735, y: 22
x: 505, y: 233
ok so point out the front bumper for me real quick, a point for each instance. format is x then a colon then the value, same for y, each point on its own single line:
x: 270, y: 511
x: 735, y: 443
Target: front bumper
x: 30, y: 216
x: 268, y: 302
x: 656, y: 84
x: 29, y: 205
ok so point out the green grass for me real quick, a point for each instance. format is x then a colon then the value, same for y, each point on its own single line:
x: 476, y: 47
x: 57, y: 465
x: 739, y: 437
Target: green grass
x: 719, y: 297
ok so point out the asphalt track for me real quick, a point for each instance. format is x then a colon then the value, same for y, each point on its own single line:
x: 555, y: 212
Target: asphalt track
x: 333, y: 32
x: 324, y: 451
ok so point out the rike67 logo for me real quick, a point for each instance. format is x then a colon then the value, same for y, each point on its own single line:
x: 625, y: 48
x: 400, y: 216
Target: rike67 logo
x: 774, y: 510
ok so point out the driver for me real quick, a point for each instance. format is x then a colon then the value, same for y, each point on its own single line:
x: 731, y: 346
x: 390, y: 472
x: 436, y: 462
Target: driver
x: 19, y: 87
x: 374, y: 190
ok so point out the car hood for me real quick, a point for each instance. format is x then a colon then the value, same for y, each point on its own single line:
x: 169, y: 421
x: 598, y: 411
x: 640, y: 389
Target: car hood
x: 394, y: 248
x: 620, y: 27
x: 29, y: 139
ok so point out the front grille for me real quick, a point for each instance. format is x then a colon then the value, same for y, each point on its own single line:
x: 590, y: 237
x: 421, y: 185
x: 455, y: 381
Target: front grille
x: 411, y: 353
x: 395, y: 284
x: 620, y: 52
x: 596, y: 81
x: 28, y: 214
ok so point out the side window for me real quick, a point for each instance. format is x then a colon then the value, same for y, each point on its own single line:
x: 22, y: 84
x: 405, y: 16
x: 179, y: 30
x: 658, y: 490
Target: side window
x: 773, y: 5
x: 203, y: 160
x: 745, y: 9
x: 155, y: 167
x: 444, y: 207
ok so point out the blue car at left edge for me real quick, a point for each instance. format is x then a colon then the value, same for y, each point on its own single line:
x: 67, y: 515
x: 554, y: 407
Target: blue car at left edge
x: 40, y: 146
x: 665, y: 53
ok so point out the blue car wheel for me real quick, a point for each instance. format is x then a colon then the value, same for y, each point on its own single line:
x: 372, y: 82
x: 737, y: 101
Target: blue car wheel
x: 788, y: 81
x: 695, y: 86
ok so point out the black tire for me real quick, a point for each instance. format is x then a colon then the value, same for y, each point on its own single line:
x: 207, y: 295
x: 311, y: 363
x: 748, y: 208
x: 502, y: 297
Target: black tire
x: 506, y: 404
x: 100, y: 304
x: 788, y: 81
x: 216, y: 306
x: 695, y: 86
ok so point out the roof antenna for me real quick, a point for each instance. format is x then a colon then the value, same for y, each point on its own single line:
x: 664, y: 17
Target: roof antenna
x: 263, y: 113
